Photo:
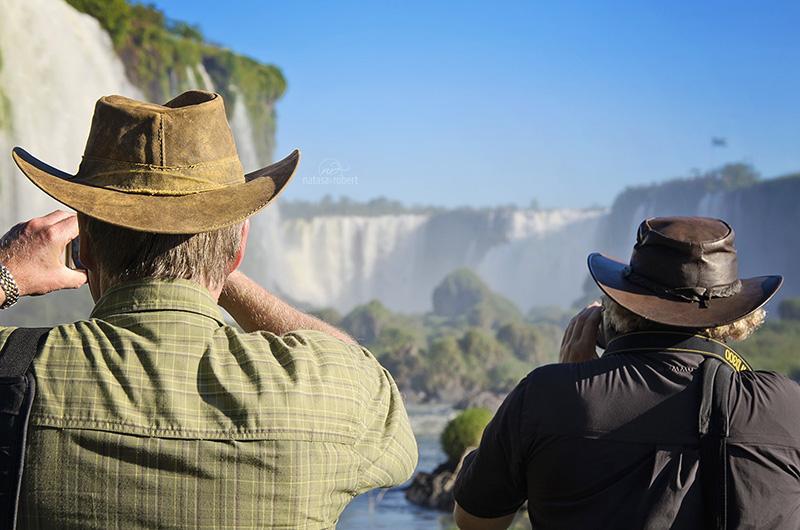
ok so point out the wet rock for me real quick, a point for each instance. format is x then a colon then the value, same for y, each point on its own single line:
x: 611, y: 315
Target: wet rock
x: 435, y: 489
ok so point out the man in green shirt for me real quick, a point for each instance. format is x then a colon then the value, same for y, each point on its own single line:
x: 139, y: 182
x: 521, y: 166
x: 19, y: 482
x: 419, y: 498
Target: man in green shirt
x: 153, y: 413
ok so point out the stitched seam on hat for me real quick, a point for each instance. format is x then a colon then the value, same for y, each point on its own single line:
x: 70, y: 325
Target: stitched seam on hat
x: 162, y: 167
x: 161, y: 136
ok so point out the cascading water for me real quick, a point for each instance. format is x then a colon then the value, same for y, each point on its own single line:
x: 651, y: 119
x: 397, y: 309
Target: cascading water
x: 56, y: 62
x: 532, y: 257
x: 243, y: 133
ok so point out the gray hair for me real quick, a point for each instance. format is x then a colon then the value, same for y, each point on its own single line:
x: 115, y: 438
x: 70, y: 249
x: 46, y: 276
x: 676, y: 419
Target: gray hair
x: 123, y: 254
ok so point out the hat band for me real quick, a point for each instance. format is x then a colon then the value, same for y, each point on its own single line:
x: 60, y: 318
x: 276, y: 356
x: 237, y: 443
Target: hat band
x: 700, y: 294
x: 148, y: 179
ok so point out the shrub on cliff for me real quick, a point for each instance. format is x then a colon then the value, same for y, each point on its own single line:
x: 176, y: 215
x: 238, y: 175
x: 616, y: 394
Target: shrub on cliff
x: 464, y: 431
x: 162, y: 57
x: 365, y: 322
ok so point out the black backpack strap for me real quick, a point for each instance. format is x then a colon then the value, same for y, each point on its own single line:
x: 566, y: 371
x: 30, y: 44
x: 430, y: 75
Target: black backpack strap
x: 714, y: 428
x: 17, y: 391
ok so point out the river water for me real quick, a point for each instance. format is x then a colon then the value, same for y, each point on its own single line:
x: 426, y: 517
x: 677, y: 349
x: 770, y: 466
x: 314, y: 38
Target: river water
x: 389, y: 509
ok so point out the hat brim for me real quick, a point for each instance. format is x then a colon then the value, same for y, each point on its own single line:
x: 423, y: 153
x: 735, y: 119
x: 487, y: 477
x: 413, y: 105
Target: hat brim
x: 164, y: 214
x: 608, y: 274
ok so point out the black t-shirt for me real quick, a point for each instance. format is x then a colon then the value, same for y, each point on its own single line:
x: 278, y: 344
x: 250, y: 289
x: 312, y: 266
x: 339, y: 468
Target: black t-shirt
x: 613, y: 443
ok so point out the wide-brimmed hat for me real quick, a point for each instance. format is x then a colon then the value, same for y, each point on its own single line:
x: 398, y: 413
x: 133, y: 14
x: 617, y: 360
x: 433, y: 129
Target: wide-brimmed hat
x: 169, y: 168
x: 684, y: 273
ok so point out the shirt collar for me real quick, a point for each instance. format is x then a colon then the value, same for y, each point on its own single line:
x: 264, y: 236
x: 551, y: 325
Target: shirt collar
x: 157, y: 295
x: 676, y: 342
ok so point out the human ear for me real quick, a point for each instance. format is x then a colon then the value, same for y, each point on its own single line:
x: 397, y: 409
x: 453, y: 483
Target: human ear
x: 237, y: 260
x: 86, y: 255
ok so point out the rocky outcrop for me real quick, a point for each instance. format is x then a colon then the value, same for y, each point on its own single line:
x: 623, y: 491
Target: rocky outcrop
x: 484, y: 399
x: 435, y: 489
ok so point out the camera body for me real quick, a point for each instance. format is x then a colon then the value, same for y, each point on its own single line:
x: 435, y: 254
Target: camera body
x: 72, y: 254
x: 602, y: 343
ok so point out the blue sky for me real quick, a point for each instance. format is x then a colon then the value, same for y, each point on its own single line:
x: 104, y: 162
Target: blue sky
x: 485, y: 103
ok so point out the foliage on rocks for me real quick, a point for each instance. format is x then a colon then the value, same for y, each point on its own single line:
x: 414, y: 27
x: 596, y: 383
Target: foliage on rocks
x: 464, y: 431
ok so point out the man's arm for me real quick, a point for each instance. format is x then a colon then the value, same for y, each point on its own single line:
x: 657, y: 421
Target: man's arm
x: 256, y: 309
x: 491, y: 484
x: 467, y: 521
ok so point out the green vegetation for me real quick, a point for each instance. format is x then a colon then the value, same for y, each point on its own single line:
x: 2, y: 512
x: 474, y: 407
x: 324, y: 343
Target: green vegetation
x: 464, y: 431
x: 328, y: 206
x: 473, y: 340
x: 464, y: 298
x: 789, y: 309
x: 776, y: 346
x: 163, y: 57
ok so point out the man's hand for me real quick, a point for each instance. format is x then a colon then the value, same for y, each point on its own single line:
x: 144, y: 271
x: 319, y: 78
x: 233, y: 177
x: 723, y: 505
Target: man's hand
x: 34, y: 254
x: 580, y: 337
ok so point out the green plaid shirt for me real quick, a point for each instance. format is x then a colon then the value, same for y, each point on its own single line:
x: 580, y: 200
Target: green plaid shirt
x: 155, y: 414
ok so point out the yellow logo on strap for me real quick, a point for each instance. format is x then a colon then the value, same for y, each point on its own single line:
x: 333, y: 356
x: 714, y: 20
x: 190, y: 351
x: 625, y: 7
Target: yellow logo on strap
x: 735, y: 361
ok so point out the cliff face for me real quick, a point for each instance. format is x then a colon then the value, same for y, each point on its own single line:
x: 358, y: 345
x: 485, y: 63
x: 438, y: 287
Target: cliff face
x: 532, y: 257
x: 58, y: 57
x: 763, y: 213
x: 164, y: 57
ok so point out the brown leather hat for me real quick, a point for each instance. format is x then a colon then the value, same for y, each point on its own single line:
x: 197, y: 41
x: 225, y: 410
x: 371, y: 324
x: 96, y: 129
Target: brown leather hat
x: 684, y: 273
x: 169, y: 168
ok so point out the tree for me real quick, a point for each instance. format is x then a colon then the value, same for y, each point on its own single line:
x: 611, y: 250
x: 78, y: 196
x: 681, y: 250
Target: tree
x: 329, y: 315
x: 481, y: 350
x: 365, y: 322
x: 523, y: 339
x: 458, y: 292
x: 463, y: 295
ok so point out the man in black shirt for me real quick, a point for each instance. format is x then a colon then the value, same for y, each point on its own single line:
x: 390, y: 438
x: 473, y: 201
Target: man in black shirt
x: 670, y: 428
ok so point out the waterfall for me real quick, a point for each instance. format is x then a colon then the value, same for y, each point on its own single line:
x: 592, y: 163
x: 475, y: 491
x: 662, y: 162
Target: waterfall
x: 341, y: 261
x: 532, y: 257
x: 207, y: 84
x: 545, y: 266
x: 56, y: 62
x: 243, y: 133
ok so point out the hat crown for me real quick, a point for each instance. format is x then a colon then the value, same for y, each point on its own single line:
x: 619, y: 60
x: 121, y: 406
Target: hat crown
x: 688, y: 230
x: 683, y: 273
x: 183, y: 146
x: 691, y: 256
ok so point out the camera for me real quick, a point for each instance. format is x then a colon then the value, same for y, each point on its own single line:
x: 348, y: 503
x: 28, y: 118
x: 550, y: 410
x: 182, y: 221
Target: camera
x: 72, y: 254
x: 602, y: 343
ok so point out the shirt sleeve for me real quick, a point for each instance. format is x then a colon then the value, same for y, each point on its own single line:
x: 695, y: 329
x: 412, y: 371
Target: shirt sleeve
x: 492, y: 480
x: 387, y: 446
